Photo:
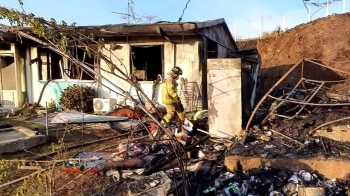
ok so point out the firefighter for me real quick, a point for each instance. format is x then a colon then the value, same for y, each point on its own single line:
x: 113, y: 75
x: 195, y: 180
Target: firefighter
x: 170, y: 98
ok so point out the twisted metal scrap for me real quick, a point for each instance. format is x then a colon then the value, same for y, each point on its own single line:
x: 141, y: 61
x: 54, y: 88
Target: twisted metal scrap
x: 303, y: 103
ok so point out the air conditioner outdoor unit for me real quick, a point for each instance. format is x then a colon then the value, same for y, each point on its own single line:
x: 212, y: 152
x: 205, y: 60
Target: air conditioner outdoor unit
x: 104, y: 105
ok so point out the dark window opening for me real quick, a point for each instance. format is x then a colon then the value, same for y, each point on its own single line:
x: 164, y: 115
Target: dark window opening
x: 49, y: 65
x: 146, y: 62
x: 52, y: 67
x: 5, y: 46
x: 247, y: 66
x: 8, y: 60
x: 74, y: 71
x: 212, y: 49
x: 55, y: 66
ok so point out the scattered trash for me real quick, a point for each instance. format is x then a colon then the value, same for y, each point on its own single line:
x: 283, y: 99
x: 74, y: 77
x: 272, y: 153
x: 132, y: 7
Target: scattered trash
x: 155, y: 184
x: 306, y: 175
x: 132, y: 150
x: 93, y: 161
x: 114, y: 173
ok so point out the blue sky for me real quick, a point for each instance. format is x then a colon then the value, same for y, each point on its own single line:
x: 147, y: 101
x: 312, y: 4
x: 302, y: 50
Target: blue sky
x: 242, y: 16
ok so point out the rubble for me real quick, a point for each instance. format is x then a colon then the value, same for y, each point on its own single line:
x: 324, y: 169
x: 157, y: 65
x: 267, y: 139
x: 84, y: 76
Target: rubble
x: 185, y: 159
x: 154, y: 169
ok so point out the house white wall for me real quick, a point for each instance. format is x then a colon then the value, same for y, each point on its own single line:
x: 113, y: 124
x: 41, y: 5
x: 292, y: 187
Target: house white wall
x: 53, y: 90
x: 187, y: 57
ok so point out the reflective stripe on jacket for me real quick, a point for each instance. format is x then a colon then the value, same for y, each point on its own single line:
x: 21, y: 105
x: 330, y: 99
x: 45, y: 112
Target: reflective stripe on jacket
x: 169, y: 87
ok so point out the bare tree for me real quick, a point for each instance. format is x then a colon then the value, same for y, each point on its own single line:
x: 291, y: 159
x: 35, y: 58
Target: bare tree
x: 317, y: 3
x: 278, y: 29
x: 134, y: 18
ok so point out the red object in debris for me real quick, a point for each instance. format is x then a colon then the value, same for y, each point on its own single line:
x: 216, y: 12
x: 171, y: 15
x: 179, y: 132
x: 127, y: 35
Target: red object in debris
x: 153, y: 127
x: 124, y: 112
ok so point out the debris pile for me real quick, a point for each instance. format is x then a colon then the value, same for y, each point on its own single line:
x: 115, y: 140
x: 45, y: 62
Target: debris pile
x: 273, y: 182
x: 293, y: 121
x: 151, y: 167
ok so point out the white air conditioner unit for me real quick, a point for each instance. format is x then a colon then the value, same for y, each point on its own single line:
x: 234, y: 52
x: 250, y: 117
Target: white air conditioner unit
x: 104, y: 105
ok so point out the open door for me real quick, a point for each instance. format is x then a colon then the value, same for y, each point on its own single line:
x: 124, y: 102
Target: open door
x: 8, y: 82
x: 10, y: 77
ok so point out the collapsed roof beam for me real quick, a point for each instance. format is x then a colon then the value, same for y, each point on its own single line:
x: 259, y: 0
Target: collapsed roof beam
x: 163, y: 34
x: 170, y: 40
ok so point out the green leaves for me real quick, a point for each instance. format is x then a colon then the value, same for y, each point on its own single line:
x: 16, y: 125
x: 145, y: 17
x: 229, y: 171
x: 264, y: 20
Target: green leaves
x: 78, y: 97
x: 57, y: 34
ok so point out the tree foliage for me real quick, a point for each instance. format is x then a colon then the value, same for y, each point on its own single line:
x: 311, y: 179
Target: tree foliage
x: 57, y: 34
x: 78, y: 97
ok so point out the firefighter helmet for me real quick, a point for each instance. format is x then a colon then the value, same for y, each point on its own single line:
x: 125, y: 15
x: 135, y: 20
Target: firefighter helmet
x: 177, y: 70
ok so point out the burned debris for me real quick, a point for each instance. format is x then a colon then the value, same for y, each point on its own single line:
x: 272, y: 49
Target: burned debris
x: 128, y: 150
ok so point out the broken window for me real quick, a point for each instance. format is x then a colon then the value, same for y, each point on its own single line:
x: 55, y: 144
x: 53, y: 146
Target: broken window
x: 212, y: 49
x: 146, y: 62
x: 52, y: 66
x: 49, y: 65
x: 75, y: 72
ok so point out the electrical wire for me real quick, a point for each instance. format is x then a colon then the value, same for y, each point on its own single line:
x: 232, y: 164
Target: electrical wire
x: 183, y: 11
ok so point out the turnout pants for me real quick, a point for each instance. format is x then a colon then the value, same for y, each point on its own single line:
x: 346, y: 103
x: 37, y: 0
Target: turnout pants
x: 171, y: 109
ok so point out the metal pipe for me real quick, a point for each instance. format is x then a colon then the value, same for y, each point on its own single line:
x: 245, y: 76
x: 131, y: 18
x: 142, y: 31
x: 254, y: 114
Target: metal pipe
x: 266, y: 95
x: 282, y: 102
x: 312, y: 104
x: 326, y: 81
x: 327, y: 66
x: 327, y: 123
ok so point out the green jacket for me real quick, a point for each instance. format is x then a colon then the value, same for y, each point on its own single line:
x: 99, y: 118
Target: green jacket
x: 169, y: 88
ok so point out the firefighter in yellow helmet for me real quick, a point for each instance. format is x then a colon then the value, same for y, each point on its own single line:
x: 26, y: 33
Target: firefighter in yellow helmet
x: 170, y: 98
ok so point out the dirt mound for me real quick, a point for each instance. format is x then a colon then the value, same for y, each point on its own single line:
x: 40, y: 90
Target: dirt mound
x: 246, y: 44
x: 325, y: 40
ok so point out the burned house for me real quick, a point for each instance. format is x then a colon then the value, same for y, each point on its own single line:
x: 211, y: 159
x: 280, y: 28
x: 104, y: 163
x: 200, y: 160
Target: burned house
x: 144, y: 50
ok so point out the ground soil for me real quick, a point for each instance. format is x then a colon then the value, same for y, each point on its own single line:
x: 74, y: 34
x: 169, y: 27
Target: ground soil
x: 326, y: 39
x: 64, y: 183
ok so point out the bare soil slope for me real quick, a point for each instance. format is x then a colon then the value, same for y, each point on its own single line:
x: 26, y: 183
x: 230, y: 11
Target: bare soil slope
x: 326, y: 40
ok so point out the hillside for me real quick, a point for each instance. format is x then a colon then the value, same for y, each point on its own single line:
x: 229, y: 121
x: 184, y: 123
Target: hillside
x: 326, y: 40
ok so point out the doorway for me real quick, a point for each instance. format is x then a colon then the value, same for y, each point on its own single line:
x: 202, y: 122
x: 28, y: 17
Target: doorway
x: 8, y: 81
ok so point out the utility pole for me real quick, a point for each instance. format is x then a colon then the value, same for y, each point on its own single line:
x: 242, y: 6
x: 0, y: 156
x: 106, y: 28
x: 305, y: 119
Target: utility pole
x: 261, y: 22
x: 129, y: 10
x: 309, y: 13
x: 344, y: 5
x: 235, y: 31
x: 327, y: 7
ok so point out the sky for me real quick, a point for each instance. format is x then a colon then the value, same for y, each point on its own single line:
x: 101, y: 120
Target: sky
x: 245, y: 18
